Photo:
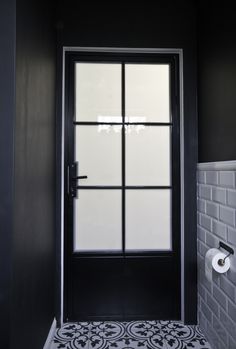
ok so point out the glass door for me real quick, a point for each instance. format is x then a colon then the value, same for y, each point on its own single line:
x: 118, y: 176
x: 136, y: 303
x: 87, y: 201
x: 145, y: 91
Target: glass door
x: 123, y: 187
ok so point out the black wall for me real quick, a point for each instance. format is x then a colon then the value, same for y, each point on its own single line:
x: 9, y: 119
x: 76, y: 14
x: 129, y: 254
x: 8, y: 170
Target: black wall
x: 217, y: 81
x: 170, y: 24
x: 7, y: 115
x: 33, y: 297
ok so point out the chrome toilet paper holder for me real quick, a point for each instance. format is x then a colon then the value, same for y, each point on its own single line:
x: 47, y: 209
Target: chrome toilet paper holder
x: 230, y: 251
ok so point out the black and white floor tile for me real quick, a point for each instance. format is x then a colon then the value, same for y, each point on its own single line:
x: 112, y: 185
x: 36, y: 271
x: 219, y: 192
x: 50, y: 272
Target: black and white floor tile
x: 129, y: 335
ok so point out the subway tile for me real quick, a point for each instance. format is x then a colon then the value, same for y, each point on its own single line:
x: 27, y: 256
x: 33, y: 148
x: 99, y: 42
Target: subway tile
x: 212, y: 177
x: 216, y: 277
x: 204, y: 281
x: 212, y: 209
x: 212, y: 304
x: 232, y: 342
x: 206, y: 311
x: 233, y: 260
x: 201, y: 205
x: 227, y: 179
x: 206, y: 222
x: 202, y: 322
x: 201, y: 234
x: 198, y: 190
x: 213, y: 338
x: 219, y: 229
x: 201, y: 177
x: 203, y: 248
x: 219, y: 195
x: 199, y: 270
x: 232, y: 311
x: 231, y: 198
x: 227, y: 215
x: 198, y: 299
x: 198, y: 218
x: 202, y: 292
x: 201, y: 261
x: 198, y: 245
x: 217, y: 213
x: 205, y: 192
x: 232, y: 236
x: 227, y: 287
x: 212, y: 240
x: 229, y: 325
x: 219, y: 296
x: 231, y: 274
x: 220, y: 330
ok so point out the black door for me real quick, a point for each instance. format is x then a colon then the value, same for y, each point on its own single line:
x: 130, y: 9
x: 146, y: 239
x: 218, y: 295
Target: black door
x: 122, y: 219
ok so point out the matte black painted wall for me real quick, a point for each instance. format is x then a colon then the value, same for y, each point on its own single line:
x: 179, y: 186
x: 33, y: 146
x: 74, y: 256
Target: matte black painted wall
x: 170, y: 24
x: 33, y: 282
x: 217, y: 81
x: 7, y: 115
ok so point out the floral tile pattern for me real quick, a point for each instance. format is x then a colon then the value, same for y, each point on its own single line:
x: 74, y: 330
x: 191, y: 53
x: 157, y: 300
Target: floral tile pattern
x: 129, y: 335
x: 179, y: 336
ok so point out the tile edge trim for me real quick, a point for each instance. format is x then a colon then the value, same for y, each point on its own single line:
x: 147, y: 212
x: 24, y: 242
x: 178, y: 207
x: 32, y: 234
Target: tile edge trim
x: 217, y: 166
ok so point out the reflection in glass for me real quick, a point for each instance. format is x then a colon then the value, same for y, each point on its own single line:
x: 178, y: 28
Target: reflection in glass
x: 148, y: 219
x: 98, y: 92
x: 98, y: 154
x: 148, y: 158
x: 97, y: 222
x: 147, y: 92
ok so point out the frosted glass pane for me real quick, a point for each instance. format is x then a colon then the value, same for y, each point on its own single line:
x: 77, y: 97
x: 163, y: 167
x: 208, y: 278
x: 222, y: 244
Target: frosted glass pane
x: 97, y: 220
x: 98, y: 92
x: 148, y: 219
x: 148, y: 157
x: 98, y: 151
x: 147, y: 92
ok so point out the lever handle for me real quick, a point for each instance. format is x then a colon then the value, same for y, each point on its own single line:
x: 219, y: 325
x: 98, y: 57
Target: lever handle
x: 79, y: 177
x: 73, y: 178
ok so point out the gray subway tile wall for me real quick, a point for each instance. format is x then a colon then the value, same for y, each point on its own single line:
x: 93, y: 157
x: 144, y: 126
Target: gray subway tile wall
x: 217, y: 222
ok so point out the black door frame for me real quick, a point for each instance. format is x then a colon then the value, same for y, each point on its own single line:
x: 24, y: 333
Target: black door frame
x: 70, y: 124
x: 188, y: 140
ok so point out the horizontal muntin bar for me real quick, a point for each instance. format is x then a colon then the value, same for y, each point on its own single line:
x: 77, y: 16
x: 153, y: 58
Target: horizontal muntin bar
x: 94, y: 123
x: 126, y: 254
x: 124, y: 187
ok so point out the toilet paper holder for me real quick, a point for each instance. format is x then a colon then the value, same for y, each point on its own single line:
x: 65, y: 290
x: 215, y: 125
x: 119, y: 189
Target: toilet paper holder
x: 221, y: 262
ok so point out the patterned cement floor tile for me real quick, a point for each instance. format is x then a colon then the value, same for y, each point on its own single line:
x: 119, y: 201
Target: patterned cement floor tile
x: 129, y: 335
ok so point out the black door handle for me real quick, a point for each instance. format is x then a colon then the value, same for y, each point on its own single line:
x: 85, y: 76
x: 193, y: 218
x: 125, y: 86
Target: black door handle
x: 73, y: 178
x: 79, y: 177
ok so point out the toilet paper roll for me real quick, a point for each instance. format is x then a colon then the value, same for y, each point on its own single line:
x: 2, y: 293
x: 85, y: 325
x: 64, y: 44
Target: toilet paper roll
x: 212, y: 262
